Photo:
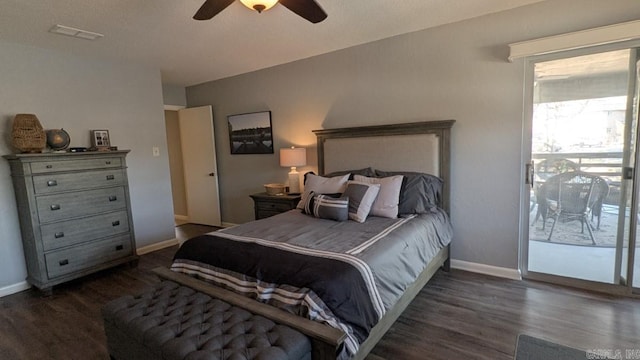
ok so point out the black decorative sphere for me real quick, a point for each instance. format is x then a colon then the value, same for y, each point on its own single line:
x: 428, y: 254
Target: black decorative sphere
x: 58, y: 139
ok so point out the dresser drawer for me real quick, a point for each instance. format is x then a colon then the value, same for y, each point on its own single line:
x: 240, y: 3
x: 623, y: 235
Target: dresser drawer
x: 273, y: 206
x: 75, y: 164
x: 82, y: 203
x: 87, y: 255
x: 50, y: 183
x: 72, y: 232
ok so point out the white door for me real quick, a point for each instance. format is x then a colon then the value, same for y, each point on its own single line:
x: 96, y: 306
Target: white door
x: 200, y: 169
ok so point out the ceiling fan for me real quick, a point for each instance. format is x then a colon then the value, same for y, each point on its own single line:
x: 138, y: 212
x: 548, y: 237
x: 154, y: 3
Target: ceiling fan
x: 308, y: 9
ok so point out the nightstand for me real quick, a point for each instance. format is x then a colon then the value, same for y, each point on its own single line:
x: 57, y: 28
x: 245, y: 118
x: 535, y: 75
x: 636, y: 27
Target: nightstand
x: 266, y: 205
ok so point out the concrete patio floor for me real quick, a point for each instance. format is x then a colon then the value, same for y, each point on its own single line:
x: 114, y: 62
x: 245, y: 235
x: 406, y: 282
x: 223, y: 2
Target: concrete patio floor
x: 571, y: 253
x: 575, y: 261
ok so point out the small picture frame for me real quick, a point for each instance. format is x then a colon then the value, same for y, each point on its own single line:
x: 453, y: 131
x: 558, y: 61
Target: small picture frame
x: 100, y: 139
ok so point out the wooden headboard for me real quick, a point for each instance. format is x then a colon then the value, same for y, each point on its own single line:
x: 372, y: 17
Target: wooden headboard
x: 420, y: 147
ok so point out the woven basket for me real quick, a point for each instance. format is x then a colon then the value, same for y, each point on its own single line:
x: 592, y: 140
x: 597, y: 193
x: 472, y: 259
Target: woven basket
x: 27, y: 135
x: 274, y: 189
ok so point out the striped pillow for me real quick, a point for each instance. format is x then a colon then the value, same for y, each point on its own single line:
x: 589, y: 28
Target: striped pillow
x: 326, y: 207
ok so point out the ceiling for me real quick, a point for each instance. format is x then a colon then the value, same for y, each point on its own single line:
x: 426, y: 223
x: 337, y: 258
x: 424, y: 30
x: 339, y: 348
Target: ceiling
x: 162, y: 33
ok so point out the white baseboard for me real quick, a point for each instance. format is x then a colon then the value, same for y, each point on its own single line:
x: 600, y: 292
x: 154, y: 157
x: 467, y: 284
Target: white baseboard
x: 228, y: 224
x: 15, y: 288
x: 513, y: 274
x: 157, y: 246
x: 21, y: 286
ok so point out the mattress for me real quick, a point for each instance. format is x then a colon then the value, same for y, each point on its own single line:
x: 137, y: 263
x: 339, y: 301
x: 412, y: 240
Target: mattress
x: 345, y: 274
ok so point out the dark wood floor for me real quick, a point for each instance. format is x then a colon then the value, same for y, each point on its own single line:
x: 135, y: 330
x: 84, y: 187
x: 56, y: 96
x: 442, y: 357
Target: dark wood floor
x: 458, y: 315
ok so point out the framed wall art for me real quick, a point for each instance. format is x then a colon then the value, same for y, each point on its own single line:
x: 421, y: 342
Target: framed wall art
x: 251, y: 133
x: 100, y: 139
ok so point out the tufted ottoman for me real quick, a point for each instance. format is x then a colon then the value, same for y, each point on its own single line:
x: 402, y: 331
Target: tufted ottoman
x: 177, y: 322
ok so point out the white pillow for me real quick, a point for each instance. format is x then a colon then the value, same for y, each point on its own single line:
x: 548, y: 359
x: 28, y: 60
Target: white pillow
x: 323, y: 185
x: 386, y: 204
x: 361, y: 197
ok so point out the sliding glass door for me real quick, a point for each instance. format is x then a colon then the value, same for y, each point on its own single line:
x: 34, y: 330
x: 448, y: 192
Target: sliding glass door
x: 581, y: 211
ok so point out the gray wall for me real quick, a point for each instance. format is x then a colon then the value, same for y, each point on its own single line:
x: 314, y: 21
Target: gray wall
x: 456, y: 71
x: 174, y: 95
x: 80, y: 94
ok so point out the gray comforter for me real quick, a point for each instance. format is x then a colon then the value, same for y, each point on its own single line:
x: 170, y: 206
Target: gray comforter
x: 345, y: 274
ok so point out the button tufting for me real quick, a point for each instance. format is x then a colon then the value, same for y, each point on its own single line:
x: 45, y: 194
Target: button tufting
x: 185, y: 322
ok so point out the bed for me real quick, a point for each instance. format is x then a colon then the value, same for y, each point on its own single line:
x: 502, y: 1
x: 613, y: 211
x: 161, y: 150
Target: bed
x: 356, y: 274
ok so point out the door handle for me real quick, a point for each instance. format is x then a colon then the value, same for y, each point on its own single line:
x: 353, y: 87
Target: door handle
x: 212, y: 174
x: 530, y: 172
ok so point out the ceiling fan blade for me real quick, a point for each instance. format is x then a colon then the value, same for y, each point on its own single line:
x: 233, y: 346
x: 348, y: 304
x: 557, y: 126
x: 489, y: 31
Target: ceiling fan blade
x: 210, y: 8
x: 308, y: 9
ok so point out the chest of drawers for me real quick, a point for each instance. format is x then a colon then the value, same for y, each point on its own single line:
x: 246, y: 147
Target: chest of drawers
x: 75, y: 214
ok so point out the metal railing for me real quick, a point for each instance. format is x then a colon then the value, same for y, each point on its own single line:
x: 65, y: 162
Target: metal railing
x: 607, y: 165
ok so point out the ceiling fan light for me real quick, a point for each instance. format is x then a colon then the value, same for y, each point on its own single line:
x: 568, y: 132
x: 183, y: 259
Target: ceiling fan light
x: 259, y: 5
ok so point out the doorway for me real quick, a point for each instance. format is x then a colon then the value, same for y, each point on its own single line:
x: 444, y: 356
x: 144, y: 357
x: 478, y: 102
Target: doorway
x: 193, y: 166
x: 580, y: 209
x: 174, y: 151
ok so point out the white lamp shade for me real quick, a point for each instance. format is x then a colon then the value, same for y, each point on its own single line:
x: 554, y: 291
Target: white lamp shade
x: 268, y: 4
x: 292, y: 157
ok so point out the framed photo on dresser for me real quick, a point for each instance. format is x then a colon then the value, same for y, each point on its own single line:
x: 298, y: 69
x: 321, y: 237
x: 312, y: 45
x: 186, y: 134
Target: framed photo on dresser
x: 100, y: 139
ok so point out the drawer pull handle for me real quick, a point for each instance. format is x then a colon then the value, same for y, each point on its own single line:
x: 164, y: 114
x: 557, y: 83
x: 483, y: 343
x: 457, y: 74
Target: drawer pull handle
x: 113, y: 198
x: 119, y: 247
x: 108, y: 162
x: 52, y: 183
x: 49, y: 166
x: 110, y: 177
x: 115, y: 223
x: 58, y: 235
x: 55, y: 207
x: 64, y: 262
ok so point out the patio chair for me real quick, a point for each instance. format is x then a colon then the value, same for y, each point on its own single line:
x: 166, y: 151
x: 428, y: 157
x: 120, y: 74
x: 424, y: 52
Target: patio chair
x: 574, y: 196
x: 544, y: 170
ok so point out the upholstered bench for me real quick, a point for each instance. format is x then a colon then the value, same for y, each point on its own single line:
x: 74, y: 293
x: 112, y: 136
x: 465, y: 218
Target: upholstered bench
x: 177, y: 322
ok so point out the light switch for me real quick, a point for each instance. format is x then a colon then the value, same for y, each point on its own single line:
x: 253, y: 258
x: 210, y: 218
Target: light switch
x: 156, y: 151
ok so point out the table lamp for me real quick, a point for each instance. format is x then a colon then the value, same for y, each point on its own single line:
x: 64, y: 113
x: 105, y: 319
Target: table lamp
x: 293, y: 157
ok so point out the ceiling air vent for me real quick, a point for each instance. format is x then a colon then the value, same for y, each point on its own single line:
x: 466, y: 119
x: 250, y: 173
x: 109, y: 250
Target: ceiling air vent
x: 73, y: 32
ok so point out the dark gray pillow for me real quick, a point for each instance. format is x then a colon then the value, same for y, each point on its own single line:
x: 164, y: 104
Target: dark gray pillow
x: 327, y: 207
x: 361, y: 197
x: 364, y: 172
x: 419, y: 191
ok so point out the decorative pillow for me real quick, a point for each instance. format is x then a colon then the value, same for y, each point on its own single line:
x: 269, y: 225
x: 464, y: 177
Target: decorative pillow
x: 326, y: 207
x: 386, y: 204
x: 361, y: 197
x: 323, y: 185
x: 419, y: 192
x: 363, y: 172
